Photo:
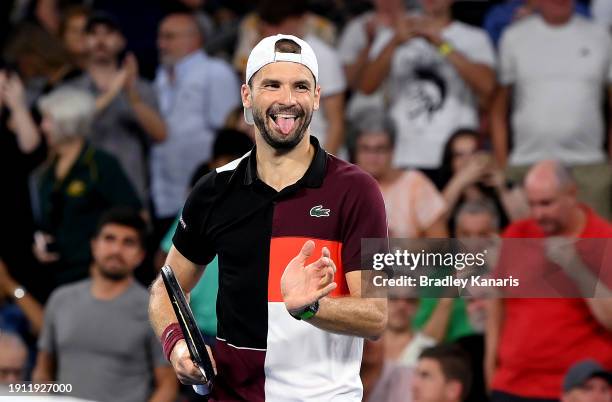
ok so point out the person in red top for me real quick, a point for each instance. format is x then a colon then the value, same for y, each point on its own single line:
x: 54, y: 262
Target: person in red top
x: 532, y: 342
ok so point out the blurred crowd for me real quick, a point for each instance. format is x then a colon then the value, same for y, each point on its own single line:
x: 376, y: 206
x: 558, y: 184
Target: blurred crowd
x: 478, y: 119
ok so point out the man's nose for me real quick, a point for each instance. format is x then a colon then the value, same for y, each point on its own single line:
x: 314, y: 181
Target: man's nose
x: 287, y: 96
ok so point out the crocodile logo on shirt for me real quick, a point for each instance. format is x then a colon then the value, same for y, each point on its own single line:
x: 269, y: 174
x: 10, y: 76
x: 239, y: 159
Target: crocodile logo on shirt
x: 318, y: 211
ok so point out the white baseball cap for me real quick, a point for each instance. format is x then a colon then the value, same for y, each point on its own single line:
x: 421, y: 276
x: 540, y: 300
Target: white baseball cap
x: 265, y: 53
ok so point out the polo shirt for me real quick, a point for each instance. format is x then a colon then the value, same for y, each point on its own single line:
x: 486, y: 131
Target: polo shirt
x: 262, y: 353
x: 541, y: 338
x: 70, y: 208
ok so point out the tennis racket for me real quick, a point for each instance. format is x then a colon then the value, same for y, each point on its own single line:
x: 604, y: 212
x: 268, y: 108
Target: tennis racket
x: 193, y: 337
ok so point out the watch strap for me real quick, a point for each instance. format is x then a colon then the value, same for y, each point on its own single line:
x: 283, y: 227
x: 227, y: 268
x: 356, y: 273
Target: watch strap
x: 306, y: 313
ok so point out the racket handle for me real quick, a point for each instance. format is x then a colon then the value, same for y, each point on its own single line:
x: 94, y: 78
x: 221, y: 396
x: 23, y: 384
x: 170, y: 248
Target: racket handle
x: 201, y: 389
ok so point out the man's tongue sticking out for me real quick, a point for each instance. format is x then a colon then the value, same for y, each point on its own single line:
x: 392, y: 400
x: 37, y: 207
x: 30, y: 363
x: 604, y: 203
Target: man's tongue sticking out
x: 285, y: 124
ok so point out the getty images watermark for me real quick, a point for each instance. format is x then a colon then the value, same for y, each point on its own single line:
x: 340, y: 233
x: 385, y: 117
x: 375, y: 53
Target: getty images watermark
x: 492, y: 267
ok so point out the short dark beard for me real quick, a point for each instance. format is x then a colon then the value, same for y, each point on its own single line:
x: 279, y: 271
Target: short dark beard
x: 113, y: 276
x: 285, y: 146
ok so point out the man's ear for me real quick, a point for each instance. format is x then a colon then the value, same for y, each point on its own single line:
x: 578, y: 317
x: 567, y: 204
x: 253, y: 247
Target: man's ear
x: 245, y: 94
x: 317, y: 97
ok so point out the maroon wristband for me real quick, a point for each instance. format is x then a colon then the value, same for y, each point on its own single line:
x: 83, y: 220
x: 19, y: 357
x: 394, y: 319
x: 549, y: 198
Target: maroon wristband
x: 171, y: 335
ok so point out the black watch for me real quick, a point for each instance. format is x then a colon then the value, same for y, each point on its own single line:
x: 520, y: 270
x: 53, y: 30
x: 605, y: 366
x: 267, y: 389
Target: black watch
x: 305, y: 313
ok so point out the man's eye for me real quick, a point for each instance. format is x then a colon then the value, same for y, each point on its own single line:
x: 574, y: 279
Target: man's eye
x: 271, y: 86
x: 302, y: 87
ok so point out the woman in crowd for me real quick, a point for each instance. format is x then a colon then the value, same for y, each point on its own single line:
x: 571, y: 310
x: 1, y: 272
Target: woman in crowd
x: 415, y: 209
x: 469, y: 174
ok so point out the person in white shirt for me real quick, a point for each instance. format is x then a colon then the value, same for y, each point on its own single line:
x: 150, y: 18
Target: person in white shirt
x: 554, y: 70
x: 196, y: 93
x: 439, y: 72
x: 354, y: 47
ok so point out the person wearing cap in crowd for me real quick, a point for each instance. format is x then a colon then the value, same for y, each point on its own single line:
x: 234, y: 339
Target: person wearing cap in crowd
x: 587, y: 381
x: 127, y: 115
x: 286, y: 221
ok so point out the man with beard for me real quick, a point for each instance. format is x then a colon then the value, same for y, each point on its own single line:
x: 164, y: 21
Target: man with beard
x: 96, y: 336
x: 286, y: 222
x: 127, y: 119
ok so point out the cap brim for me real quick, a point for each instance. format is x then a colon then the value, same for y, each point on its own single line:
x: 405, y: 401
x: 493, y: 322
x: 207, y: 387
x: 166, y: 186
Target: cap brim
x: 248, y: 116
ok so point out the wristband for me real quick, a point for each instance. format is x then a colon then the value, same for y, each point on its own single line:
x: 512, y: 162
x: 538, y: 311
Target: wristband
x: 445, y: 49
x: 171, y: 335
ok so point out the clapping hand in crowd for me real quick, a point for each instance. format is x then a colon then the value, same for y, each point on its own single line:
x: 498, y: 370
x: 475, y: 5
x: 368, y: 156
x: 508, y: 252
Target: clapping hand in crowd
x: 40, y: 248
x: 408, y: 27
x: 125, y: 80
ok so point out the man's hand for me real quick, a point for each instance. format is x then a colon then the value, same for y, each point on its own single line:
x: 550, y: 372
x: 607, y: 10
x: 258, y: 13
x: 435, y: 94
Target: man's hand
x: 404, y: 28
x: 562, y: 252
x: 303, y: 285
x: 187, y: 372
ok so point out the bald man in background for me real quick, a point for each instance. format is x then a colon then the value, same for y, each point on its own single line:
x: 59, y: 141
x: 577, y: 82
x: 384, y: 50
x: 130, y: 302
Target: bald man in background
x: 196, y: 92
x: 531, y: 342
x: 13, y: 358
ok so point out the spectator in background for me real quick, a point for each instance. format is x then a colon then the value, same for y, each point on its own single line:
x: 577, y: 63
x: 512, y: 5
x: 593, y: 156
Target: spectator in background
x: 20, y: 153
x: 383, y: 380
x: 587, y: 381
x: 415, y: 209
x: 13, y: 358
x: 73, y: 35
x: 127, y: 117
x: 196, y: 92
x: 544, y: 58
x: 40, y: 58
x: 354, y: 47
x: 532, y: 342
x: 77, y: 185
x: 402, y: 343
x: 443, y: 374
x: 120, y: 359
x: 440, y: 71
x: 477, y: 219
x: 289, y: 17
x: 250, y: 33
x: 500, y: 16
x: 477, y: 227
x: 469, y: 174
x: 358, y: 36
x: 20, y: 313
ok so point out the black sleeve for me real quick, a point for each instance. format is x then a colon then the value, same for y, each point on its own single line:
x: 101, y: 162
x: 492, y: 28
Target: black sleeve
x: 190, y: 238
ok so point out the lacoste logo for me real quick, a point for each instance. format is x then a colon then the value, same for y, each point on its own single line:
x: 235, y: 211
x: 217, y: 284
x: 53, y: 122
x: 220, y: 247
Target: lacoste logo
x: 318, y: 211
